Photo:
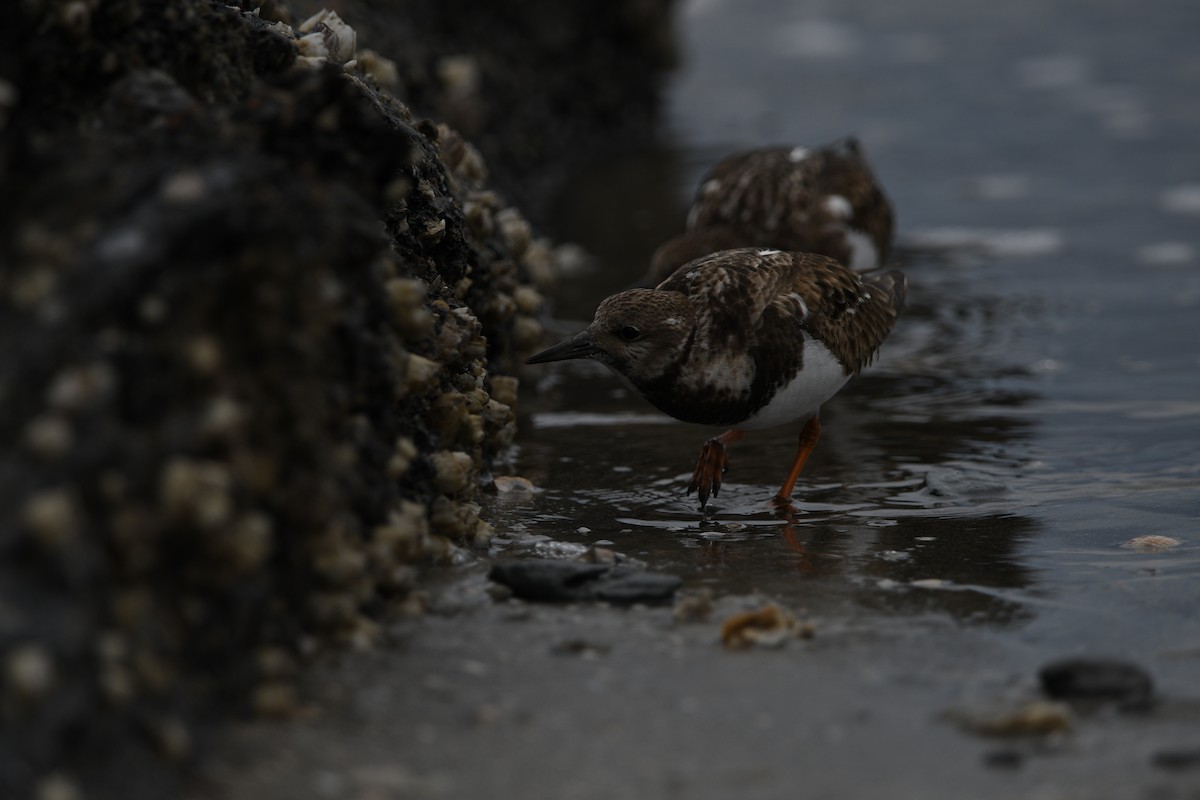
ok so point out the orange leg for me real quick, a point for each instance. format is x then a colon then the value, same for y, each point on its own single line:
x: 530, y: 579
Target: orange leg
x: 809, y: 435
x: 712, y: 465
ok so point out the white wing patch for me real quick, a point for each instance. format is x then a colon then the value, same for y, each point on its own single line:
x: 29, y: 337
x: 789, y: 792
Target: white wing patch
x: 724, y: 372
x: 838, y: 207
x: 800, y: 302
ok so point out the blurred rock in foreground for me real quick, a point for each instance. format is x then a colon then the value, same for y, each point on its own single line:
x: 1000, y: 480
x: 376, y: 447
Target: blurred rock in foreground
x: 260, y: 326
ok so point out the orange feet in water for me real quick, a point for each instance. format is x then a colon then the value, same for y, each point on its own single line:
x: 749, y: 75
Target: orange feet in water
x: 712, y: 464
x: 809, y: 435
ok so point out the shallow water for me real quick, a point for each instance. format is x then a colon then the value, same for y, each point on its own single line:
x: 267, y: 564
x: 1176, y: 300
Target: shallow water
x: 1039, y: 403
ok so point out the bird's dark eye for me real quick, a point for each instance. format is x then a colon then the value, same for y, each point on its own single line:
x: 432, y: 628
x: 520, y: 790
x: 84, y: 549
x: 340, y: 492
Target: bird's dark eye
x: 629, y: 333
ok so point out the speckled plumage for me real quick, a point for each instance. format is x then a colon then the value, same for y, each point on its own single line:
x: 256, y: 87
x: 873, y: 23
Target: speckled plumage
x: 823, y: 200
x: 725, y: 335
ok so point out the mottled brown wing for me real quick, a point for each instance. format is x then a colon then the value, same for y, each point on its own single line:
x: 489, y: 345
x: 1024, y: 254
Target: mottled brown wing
x: 729, y: 290
x: 748, y: 336
x: 850, y: 313
x: 761, y: 194
x: 775, y: 197
x: 844, y: 171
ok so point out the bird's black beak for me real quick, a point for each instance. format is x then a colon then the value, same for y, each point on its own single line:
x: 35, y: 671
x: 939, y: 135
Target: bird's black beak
x: 578, y: 346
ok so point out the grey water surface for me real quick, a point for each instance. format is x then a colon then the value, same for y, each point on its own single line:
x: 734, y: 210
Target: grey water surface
x: 1039, y: 403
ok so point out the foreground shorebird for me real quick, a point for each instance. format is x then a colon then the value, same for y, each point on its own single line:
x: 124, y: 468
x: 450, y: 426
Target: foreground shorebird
x: 743, y: 339
x: 822, y: 200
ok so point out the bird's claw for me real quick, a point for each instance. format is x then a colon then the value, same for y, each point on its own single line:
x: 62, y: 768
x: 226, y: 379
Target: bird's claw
x: 712, y: 464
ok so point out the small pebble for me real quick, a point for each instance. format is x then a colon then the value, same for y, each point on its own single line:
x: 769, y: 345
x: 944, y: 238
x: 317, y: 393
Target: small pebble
x: 1004, y: 759
x: 1036, y: 718
x: 1151, y: 544
x: 582, y: 648
x: 561, y: 580
x: 1100, y: 679
x: 598, y: 555
x: 695, y: 606
x: 929, y: 583
x: 1180, y: 759
x: 513, y: 483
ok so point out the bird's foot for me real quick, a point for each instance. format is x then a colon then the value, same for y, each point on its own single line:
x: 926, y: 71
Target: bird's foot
x: 712, y: 464
x: 783, y: 504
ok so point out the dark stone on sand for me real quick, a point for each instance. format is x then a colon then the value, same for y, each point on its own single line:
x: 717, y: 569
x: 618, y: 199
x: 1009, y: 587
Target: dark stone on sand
x: 1181, y: 759
x: 1098, y: 679
x: 575, y: 581
x: 637, y: 587
x: 547, y: 581
x: 1004, y: 759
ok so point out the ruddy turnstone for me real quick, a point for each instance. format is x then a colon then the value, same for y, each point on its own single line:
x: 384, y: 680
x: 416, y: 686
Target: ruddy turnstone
x: 743, y: 339
x: 822, y: 200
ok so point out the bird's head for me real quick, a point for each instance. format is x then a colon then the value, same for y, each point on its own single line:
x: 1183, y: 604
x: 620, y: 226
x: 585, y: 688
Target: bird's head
x: 640, y: 333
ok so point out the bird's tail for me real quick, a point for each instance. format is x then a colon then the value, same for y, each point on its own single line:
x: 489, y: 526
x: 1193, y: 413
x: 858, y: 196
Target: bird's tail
x: 893, y: 283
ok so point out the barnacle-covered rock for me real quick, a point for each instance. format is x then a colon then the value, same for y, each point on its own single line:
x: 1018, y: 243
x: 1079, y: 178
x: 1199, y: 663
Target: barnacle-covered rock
x: 262, y: 325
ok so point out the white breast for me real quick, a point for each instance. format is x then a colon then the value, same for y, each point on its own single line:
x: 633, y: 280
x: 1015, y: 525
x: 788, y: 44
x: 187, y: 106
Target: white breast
x: 819, y: 380
x: 863, y: 254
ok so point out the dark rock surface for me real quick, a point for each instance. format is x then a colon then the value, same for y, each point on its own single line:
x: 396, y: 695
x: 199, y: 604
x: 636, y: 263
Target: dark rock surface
x: 260, y: 325
x: 540, y: 87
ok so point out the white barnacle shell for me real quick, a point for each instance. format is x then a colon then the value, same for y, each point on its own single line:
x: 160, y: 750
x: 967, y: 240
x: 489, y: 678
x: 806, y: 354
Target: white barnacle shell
x: 459, y: 74
x: 29, y: 671
x: 52, y: 517
x: 379, y: 69
x: 199, y: 492
x: 516, y: 231
x: 453, y: 471
x: 326, y: 37
x: 420, y: 372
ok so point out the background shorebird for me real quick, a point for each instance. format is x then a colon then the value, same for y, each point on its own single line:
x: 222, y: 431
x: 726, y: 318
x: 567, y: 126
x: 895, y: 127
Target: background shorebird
x: 822, y: 200
x: 743, y: 339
